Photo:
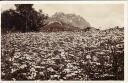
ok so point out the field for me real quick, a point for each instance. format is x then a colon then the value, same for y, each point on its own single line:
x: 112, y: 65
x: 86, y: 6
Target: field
x: 62, y: 56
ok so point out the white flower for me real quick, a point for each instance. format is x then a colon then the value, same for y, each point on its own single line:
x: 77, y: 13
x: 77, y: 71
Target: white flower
x: 50, y: 69
x: 23, y: 66
x: 67, y: 70
x: 41, y: 73
x: 88, y: 57
x: 32, y: 69
x: 95, y: 58
x: 17, y: 54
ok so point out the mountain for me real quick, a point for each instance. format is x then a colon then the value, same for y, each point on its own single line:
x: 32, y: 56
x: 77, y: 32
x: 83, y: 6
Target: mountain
x: 68, y: 22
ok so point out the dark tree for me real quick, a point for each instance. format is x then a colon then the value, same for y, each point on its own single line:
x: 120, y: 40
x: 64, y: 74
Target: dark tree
x: 24, y: 19
x: 7, y: 20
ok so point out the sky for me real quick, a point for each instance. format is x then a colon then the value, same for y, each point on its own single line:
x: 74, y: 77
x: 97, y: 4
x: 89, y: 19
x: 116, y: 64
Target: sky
x: 102, y: 16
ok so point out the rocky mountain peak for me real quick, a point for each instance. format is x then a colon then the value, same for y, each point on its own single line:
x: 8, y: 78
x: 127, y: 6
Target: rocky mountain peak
x: 70, y: 19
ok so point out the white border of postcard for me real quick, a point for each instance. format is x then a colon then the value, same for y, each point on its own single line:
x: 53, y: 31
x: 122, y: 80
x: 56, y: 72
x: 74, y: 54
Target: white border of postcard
x: 81, y: 2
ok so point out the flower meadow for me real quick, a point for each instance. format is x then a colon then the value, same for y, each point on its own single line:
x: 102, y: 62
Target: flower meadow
x: 62, y: 56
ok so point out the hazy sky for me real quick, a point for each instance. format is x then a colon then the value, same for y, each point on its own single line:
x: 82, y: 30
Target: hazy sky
x: 98, y: 15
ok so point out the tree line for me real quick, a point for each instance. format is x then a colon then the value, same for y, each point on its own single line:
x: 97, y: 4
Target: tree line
x: 23, y: 19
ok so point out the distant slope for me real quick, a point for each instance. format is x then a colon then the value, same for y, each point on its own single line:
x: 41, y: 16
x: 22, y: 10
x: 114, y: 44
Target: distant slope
x: 59, y: 26
x: 115, y: 31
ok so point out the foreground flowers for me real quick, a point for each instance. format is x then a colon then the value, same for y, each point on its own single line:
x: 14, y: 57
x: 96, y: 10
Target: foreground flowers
x: 62, y: 56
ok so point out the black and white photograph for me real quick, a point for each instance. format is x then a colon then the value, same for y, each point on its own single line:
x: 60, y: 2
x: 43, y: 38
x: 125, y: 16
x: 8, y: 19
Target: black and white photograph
x: 79, y: 42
